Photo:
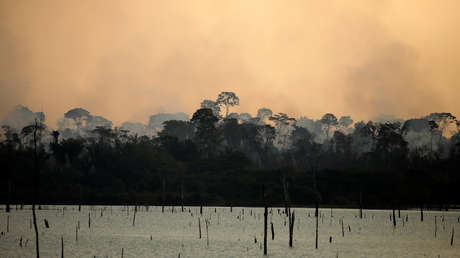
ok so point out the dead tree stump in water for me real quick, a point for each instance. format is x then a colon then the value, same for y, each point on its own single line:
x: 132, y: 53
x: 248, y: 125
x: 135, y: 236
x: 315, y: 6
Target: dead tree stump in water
x: 134, y: 217
x: 199, y: 227
x: 265, y: 220
x: 182, y: 195
x: 207, y: 233
x: 273, y: 231
x: 316, y: 234
x: 421, y: 213
x: 7, y: 209
x: 435, y: 226
x: 394, y: 219
x: 343, y: 232
x: 291, y: 226
x: 163, y: 194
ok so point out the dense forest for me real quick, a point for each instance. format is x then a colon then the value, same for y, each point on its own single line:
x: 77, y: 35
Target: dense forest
x: 223, y: 158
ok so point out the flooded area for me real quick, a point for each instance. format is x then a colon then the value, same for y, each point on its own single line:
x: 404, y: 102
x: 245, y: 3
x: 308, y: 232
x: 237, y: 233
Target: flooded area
x: 107, y: 231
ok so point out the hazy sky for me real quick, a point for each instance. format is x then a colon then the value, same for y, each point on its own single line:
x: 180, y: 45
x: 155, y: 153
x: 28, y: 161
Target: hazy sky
x: 125, y: 60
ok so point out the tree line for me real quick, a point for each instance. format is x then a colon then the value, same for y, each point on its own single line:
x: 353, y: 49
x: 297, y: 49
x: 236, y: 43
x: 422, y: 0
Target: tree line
x: 224, y: 158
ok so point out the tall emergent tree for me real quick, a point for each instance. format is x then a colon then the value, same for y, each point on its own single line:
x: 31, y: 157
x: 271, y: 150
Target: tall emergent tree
x: 227, y: 99
x: 284, y: 125
x: 328, y: 121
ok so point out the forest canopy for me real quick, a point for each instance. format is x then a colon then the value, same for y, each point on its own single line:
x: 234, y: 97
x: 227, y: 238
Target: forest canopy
x: 222, y: 158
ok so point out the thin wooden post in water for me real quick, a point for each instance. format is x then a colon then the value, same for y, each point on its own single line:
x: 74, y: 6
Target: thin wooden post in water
x: 265, y: 220
x: 273, y: 231
x: 265, y: 229
x: 360, y: 205
x: 316, y: 236
x: 291, y: 226
x: 134, y: 218
x: 62, y: 247
x: 199, y: 227
x: 163, y: 194
x: 394, y: 219
x: 435, y: 226
x: 7, y: 223
x: 89, y: 219
x: 79, y: 198
x: 7, y: 209
x: 36, y: 192
x: 182, y: 196
x: 421, y: 213
x: 343, y: 232
x: 122, y: 252
x: 452, y: 237
x: 207, y: 233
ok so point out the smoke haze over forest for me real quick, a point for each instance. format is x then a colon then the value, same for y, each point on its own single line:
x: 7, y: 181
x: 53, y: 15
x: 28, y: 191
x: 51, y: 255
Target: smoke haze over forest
x: 126, y: 60
x: 198, y: 110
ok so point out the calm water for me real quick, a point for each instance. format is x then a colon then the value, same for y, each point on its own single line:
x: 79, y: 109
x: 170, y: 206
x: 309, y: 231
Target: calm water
x: 231, y: 234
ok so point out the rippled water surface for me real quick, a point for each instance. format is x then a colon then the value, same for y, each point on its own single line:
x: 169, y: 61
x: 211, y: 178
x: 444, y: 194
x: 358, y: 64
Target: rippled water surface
x: 231, y: 234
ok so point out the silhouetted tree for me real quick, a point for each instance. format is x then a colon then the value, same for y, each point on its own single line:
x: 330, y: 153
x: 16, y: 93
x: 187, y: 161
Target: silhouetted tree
x: 390, y: 143
x: 344, y: 123
x: 263, y: 114
x: 342, y: 146
x: 182, y: 130
x: 265, y: 136
x: 328, y: 121
x: 284, y: 125
x: 213, y: 105
x: 227, y: 99
x: 207, y: 135
x: 232, y: 133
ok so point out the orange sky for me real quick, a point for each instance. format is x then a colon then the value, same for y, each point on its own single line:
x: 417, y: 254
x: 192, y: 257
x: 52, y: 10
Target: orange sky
x: 126, y: 60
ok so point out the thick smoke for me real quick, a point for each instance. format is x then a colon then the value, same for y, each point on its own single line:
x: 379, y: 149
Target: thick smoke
x: 136, y: 128
x: 424, y: 135
x: 156, y: 121
x: 128, y: 58
x: 79, y: 122
x: 22, y: 116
